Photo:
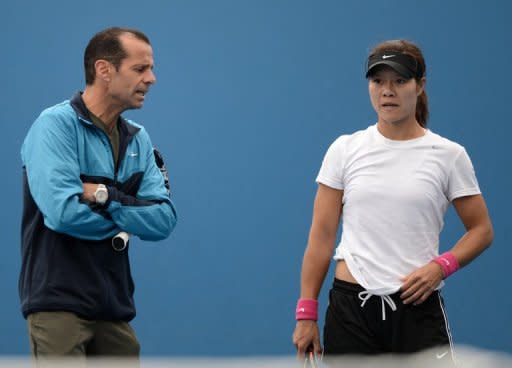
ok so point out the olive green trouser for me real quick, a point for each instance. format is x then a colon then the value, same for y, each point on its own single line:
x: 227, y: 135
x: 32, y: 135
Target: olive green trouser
x: 64, y: 334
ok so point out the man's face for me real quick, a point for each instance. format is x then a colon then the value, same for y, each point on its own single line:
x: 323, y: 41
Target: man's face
x: 129, y: 85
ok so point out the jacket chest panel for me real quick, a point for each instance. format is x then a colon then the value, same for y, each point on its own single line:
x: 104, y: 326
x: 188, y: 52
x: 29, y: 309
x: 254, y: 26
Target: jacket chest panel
x: 96, y: 158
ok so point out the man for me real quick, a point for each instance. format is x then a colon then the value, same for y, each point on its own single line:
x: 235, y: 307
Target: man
x: 88, y: 175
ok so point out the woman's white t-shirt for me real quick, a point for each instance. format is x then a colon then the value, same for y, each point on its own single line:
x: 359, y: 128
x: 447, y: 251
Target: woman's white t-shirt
x: 395, y: 195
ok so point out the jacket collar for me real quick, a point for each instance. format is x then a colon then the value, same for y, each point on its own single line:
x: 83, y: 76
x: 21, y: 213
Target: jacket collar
x: 77, y: 103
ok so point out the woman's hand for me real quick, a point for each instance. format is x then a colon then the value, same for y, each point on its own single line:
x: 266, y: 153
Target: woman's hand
x: 306, y: 335
x: 419, y: 284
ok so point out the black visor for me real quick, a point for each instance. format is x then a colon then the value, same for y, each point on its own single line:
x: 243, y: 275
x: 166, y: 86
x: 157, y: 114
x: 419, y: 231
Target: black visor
x: 403, y: 64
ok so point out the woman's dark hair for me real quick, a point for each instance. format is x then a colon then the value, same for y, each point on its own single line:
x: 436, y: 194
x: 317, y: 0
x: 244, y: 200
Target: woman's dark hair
x: 106, y: 45
x: 409, y: 48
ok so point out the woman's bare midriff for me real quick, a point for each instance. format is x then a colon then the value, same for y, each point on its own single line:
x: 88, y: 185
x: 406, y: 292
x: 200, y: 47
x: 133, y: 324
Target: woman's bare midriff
x: 342, y: 272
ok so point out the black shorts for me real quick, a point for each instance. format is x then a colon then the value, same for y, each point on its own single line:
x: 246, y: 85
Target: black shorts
x: 375, y: 328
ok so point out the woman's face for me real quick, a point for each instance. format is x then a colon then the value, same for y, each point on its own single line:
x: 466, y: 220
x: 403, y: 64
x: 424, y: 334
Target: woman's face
x: 393, y: 97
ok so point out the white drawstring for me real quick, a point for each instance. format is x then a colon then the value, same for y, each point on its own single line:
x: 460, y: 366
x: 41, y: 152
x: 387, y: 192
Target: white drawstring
x: 365, y: 295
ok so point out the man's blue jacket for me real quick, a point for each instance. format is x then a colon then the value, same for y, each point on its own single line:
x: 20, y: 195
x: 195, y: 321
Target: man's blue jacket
x: 68, y: 263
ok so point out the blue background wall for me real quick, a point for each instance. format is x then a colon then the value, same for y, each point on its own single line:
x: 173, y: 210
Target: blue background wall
x: 249, y: 96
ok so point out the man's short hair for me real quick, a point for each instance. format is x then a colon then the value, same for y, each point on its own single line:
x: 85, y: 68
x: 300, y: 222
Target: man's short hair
x: 106, y: 45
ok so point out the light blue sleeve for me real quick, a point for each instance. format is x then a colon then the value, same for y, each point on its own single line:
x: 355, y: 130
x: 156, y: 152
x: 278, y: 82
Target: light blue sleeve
x: 150, y: 214
x: 50, y: 157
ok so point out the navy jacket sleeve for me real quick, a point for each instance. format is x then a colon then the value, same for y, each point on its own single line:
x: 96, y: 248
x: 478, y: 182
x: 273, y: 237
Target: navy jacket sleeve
x: 149, y: 214
x: 50, y: 156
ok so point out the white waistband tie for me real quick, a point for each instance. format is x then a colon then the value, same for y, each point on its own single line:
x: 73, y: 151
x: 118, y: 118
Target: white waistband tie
x: 365, y: 295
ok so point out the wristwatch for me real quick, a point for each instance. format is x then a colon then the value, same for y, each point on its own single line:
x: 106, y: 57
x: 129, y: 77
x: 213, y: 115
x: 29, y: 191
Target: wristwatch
x: 101, y: 194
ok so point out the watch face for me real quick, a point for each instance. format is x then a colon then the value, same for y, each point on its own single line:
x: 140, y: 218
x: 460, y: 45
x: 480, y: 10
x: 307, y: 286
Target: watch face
x: 101, y: 195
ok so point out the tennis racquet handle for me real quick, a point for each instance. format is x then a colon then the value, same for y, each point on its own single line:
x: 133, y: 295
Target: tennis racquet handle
x: 120, y: 241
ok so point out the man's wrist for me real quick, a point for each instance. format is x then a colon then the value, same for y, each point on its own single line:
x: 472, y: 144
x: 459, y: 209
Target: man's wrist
x: 101, y: 194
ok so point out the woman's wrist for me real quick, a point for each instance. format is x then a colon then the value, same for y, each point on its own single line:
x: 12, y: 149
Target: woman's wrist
x: 306, y: 309
x: 448, y: 263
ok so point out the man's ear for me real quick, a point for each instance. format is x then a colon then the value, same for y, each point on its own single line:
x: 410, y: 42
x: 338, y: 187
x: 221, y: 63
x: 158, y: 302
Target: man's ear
x: 103, y: 69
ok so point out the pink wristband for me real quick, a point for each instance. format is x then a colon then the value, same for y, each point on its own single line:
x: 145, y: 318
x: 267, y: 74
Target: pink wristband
x: 448, y: 263
x: 307, y: 309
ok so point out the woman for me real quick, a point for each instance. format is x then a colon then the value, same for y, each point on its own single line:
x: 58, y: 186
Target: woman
x: 391, y: 184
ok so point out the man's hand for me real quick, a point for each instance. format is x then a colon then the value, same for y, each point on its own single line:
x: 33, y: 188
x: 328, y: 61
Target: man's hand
x: 89, y: 189
x: 419, y: 284
x: 306, y: 336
